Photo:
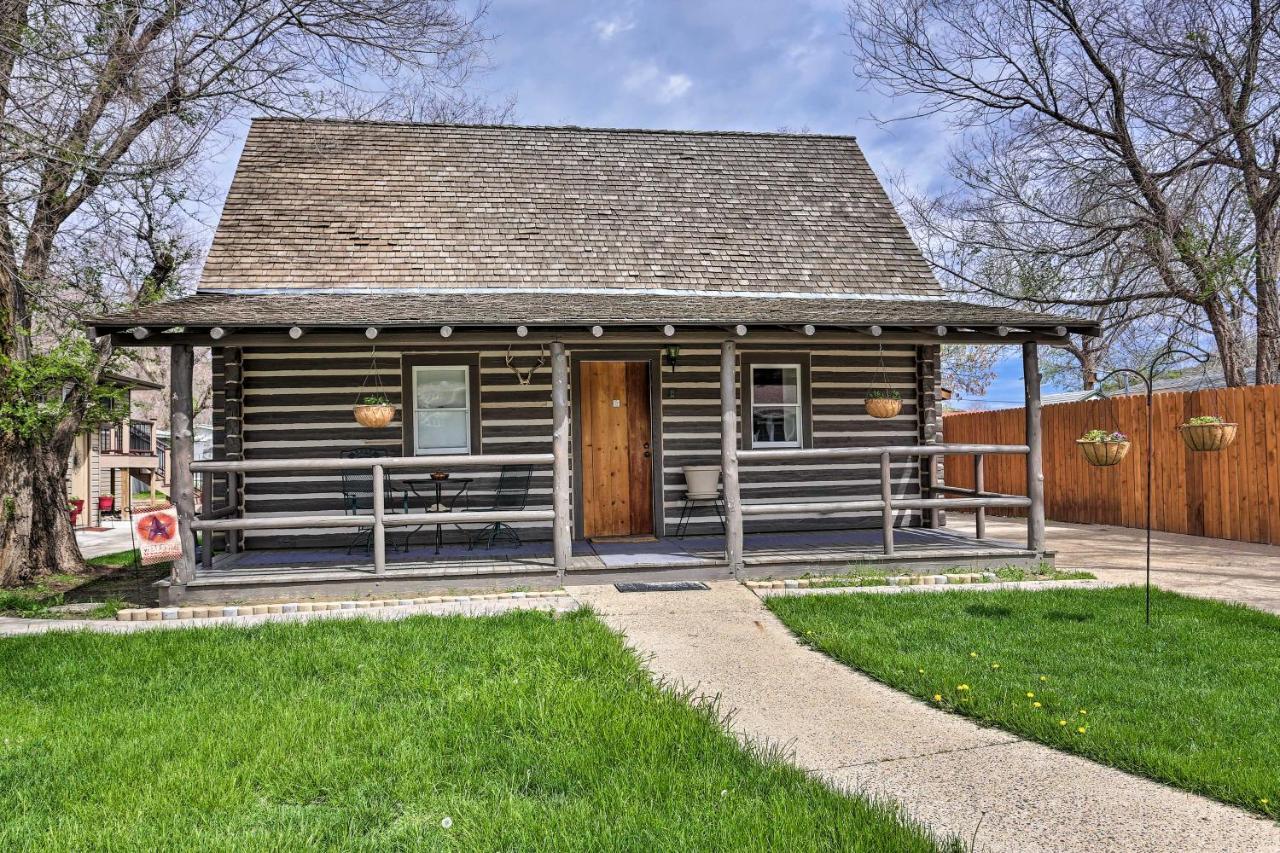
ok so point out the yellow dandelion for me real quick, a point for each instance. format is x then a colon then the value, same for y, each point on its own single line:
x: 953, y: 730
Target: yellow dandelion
x: 937, y: 697
x: 1044, y: 678
x: 1083, y: 712
x: 973, y: 654
x: 1080, y: 729
x: 1062, y: 722
x: 1035, y: 704
x: 1264, y: 801
x: 962, y: 687
x: 1030, y: 695
x: 995, y: 666
x: 921, y: 671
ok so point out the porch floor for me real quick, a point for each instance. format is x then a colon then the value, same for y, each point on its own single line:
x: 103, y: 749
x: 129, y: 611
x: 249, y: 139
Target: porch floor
x: 765, y: 554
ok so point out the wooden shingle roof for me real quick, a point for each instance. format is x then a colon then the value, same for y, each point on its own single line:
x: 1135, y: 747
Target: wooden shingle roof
x: 340, y: 206
x: 539, y: 309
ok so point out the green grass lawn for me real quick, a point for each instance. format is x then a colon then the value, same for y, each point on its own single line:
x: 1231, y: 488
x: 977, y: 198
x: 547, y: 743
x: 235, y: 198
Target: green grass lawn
x: 1190, y: 701
x: 861, y: 575
x: 526, y: 732
x: 112, y: 581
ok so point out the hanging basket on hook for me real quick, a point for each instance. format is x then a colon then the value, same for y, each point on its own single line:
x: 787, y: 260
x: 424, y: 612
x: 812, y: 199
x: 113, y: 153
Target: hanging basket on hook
x: 372, y: 407
x: 374, y: 414
x: 1103, y: 449
x: 1207, y: 433
x: 883, y: 401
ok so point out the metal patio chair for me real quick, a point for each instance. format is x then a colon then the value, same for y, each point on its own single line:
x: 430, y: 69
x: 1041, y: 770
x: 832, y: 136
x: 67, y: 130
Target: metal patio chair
x: 357, y: 494
x: 512, y: 494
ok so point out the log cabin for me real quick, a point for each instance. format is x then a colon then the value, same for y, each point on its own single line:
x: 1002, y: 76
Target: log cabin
x: 575, y: 354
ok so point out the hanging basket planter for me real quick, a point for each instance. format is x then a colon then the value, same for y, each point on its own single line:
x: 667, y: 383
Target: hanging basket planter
x: 374, y: 413
x: 883, y: 404
x: 372, y: 408
x: 1103, y: 449
x: 1207, y: 433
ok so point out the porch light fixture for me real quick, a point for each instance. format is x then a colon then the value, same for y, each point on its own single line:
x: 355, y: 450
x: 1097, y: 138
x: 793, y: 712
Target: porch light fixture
x: 671, y: 355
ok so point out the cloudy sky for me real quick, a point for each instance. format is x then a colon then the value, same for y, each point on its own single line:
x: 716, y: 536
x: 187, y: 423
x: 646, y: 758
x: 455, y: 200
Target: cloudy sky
x: 703, y: 64
x: 706, y: 64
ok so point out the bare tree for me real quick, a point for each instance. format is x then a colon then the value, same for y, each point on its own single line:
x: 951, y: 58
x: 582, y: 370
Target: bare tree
x: 1144, y: 131
x: 970, y: 369
x: 104, y: 109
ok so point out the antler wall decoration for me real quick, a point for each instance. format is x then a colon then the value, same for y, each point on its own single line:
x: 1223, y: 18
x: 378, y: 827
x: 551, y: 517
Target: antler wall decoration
x: 526, y: 378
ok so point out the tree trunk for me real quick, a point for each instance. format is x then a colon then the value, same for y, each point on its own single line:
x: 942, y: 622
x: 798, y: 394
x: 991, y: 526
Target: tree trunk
x: 1267, y: 362
x: 1231, y: 343
x: 36, y: 536
x: 1088, y: 367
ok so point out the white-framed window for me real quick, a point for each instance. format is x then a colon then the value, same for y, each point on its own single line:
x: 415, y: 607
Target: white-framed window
x: 776, y: 407
x: 441, y: 409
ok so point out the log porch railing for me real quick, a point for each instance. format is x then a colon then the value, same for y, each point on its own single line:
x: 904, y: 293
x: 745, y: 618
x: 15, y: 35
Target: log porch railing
x: 224, y: 519
x: 977, y: 499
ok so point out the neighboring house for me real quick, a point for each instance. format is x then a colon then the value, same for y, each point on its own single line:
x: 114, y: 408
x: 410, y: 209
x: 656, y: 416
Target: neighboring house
x: 1194, y: 379
x: 606, y: 306
x: 114, y: 459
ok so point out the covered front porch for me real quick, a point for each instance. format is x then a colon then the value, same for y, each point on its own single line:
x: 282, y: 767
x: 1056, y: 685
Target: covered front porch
x: 844, y: 488
x: 392, y: 547
x: 306, y: 572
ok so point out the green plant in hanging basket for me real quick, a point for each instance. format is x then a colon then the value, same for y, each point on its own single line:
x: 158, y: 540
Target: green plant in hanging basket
x: 374, y: 410
x: 883, y: 402
x: 1207, y: 432
x: 1102, y: 448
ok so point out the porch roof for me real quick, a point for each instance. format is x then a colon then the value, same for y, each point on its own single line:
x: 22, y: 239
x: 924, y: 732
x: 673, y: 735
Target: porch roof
x: 489, y: 309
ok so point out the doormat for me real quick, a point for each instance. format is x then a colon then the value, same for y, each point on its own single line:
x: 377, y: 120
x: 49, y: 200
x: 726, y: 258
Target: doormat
x: 662, y: 586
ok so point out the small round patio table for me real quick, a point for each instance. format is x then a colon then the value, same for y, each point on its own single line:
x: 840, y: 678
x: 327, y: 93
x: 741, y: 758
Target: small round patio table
x: 431, y: 490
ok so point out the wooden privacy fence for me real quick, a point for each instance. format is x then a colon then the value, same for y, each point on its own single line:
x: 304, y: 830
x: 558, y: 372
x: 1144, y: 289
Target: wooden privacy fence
x: 1230, y: 494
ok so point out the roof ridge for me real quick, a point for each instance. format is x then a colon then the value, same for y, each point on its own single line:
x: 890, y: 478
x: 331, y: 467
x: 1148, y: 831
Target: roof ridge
x: 563, y: 127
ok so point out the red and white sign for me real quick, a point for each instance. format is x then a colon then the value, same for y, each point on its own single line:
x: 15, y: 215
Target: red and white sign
x: 156, y: 533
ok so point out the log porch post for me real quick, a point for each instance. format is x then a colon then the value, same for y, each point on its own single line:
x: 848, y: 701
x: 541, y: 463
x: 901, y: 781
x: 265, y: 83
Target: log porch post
x: 886, y: 497
x: 729, y: 459
x: 561, y: 531
x: 1035, y: 464
x: 379, y: 528
x: 183, y: 445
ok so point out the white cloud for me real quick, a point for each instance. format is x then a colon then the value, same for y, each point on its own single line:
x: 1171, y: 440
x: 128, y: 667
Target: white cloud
x: 608, y: 29
x: 658, y: 85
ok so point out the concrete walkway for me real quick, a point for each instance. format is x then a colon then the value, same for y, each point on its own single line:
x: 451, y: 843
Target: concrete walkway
x: 1213, y: 568
x: 98, y: 543
x: 857, y: 734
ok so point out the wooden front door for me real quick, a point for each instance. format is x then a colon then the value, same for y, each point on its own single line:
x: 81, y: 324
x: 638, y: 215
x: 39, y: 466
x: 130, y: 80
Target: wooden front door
x: 617, y: 453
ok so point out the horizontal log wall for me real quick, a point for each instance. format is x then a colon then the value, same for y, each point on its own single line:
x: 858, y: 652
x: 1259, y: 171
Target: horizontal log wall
x: 297, y: 403
x: 1229, y: 494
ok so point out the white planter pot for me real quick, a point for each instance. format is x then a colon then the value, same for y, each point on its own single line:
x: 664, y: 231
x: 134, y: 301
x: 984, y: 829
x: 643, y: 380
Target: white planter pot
x: 702, y: 481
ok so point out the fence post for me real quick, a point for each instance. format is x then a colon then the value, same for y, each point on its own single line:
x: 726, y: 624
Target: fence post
x: 1035, y: 469
x: 561, y: 532
x: 729, y: 458
x: 379, y: 529
x: 886, y: 495
x: 980, y: 517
